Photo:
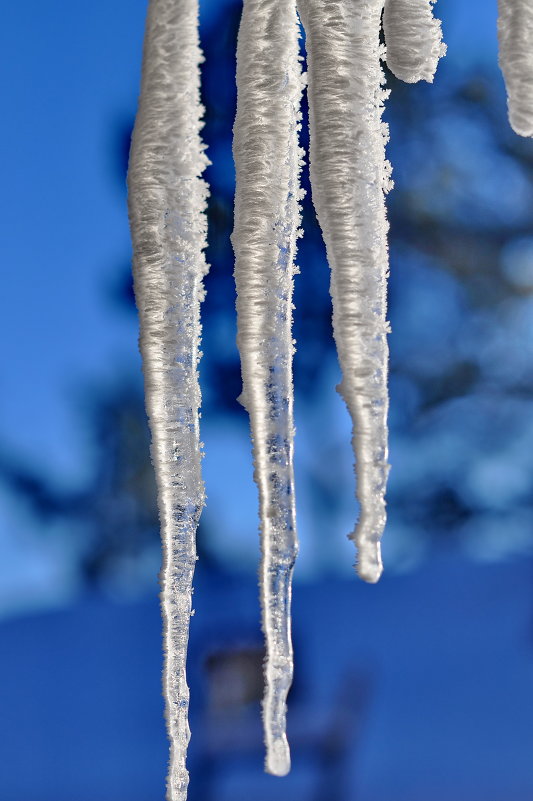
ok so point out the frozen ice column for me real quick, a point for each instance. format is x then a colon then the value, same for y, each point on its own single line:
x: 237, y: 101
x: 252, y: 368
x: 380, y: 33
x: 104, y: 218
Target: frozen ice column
x: 349, y: 175
x: 167, y: 201
x: 267, y: 216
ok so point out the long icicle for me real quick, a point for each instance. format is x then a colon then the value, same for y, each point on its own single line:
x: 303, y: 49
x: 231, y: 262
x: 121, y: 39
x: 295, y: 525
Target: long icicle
x: 414, y: 39
x: 349, y: 175
x: 167, y: 200
x: 267, y: 215
x: 515, y: 33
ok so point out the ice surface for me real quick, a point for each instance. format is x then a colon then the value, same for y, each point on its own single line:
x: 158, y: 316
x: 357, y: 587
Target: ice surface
x: 267, y: 216
x: 167, y: 200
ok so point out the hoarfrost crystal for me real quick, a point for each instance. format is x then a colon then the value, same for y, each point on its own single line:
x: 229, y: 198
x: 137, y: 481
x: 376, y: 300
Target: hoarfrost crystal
x: 414, y: 39
x: 515, y: 33
x: 267, y: 214
x: 167, y: 200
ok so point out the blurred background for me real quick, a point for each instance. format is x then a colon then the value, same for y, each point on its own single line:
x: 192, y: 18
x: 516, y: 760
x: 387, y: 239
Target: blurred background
x: 418, y: 688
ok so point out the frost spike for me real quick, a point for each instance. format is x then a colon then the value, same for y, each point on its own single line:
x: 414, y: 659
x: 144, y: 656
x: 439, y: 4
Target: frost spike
x: 515, y: 34
x: 349, y: 175
x: 167, y: 200
x: 414, y: 39
x: 267, y: 215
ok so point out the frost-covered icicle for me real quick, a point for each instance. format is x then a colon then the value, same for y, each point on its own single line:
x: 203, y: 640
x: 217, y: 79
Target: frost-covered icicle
x: 515, y: 33
x: 167, y: 199
x: 414, y: 39
x: 349, y: 175
x: 267, y: 215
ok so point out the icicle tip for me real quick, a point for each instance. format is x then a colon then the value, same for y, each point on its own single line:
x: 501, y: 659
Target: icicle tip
x: 515, y: 35
x: 369, y: 566
x: 414, y: 39
x: 278, y: 759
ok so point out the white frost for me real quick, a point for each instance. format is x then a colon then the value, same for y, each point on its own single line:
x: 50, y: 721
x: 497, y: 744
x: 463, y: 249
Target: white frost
x: 414, y: 39
x: 167, y: 200
x: 515, y: 33
x: 267, y: 215
x: 349, y: 175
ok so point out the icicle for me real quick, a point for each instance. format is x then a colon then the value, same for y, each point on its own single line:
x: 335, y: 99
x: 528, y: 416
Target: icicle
x: 515, y: 32
x: 349, y: 175
x: 414, y: 39
x: 167, y: 199
x: 267, y: 215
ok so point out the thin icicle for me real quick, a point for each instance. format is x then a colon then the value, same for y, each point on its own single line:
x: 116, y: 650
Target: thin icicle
x: 267, y: 215
x: 167, y: 199
x: 349, y: 175
x: 414, y: 39
x: 515, y: 32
